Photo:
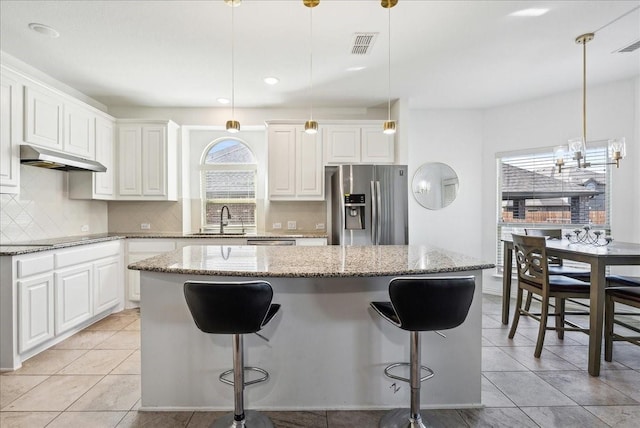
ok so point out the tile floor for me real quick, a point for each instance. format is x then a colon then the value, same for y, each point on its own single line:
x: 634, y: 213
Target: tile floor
x: 92, y: 380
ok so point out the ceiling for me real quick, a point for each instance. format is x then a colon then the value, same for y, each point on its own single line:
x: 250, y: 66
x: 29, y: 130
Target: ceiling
x: 444, y: 54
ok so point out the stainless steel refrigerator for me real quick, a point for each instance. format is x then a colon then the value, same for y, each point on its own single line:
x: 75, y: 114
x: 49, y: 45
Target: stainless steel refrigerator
x: 368, y: 205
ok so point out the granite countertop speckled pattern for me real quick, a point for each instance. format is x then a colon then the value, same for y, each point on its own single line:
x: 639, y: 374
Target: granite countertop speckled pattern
x: 309, y: 262
x: 26, y: 247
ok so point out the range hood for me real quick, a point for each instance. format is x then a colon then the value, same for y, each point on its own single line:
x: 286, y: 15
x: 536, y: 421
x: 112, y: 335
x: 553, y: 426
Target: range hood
x: 45, y: 158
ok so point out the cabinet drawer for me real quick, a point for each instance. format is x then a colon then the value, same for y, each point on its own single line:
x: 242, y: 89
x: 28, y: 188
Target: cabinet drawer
x: 35, y: 265
x: 86, y: 253
x: 155, y: 246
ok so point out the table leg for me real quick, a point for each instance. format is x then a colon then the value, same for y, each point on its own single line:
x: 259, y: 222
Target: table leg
x: 507, y: 260
x: 596, y: 318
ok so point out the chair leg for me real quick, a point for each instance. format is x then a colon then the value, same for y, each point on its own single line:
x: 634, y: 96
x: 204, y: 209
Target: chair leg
x: 609, y: 307
x: 414, y: 377
x: 560, y: 308
x: 527, y: 305
x: 516, y: 314
x: 544, y: 315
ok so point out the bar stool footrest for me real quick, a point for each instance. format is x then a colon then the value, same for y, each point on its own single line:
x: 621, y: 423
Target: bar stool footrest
x: 264, y: 378
x: 387, y: 372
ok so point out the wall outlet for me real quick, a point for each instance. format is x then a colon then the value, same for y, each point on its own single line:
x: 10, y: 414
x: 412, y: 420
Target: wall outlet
x: 145, y: 226
x: 84, y: 228
x: 319, y: 226
x: 291, y: 225
x: 277, y: 225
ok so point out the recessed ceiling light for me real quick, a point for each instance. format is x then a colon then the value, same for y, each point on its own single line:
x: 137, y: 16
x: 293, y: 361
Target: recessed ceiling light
x: 223, y: 100
x: 270, y: 80
x: 45, y: 30
x: 530, y: 12
x: 357, y: 68
x: 233, y: 3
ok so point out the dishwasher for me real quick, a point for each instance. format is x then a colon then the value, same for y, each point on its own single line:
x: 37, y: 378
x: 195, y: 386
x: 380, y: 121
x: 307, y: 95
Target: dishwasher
x: 271, y: 242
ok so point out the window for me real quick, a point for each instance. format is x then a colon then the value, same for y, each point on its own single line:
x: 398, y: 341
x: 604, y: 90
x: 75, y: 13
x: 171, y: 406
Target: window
x: 532, y: 193
x: 228, y: 177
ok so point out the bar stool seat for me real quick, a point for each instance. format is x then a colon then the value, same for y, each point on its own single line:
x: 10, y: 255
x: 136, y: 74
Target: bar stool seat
x: 234, y: 308
x: 421, y: 304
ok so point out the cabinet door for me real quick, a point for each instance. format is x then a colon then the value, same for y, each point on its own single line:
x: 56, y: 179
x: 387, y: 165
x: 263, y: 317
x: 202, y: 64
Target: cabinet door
x: 342, y: 144
x: 79, y: 131
x: 282, y: 161
x: 309, y: 167
x: 73, y: 294
x: 154, y: 161
x: 43, y: 118
x: 9, y: 135
x: 377, y: 147
x: 103, y: 181
x: 35, y: 311
x: 130, y: 160
x: 133, y: 276
x: 107, y: 275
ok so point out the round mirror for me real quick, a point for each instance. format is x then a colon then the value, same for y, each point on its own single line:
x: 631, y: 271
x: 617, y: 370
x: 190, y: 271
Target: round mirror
x: 435, y: 185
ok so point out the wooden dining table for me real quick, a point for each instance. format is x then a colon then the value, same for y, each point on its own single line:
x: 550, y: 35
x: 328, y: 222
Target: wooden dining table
x: 598, y: 257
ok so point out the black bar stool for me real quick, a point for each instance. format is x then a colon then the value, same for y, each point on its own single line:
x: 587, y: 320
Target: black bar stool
x: 235, y: 308
x: 422, y: 304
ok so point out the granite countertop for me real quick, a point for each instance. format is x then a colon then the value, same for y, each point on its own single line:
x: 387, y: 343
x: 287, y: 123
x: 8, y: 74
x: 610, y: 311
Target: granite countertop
x: 26, y: 247
x: 313, y: 262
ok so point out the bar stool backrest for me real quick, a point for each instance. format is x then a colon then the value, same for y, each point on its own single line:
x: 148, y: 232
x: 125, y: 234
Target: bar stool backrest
x: 427, y: 304
x: 228, y: 307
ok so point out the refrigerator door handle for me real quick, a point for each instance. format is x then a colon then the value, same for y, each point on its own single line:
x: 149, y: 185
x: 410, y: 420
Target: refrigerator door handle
x: 374, y: 214
x: 378, y: 212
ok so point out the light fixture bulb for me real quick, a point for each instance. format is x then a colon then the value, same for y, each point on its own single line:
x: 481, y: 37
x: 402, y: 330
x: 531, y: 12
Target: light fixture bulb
x: 617, y: 149
x: 233, y: 3
x: 233, y: 126
x: 576, y: 148
x: 389, y: 127
x: 311, y: 127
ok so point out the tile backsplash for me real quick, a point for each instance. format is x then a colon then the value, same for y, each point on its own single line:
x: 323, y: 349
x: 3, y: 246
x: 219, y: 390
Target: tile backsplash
x: 127, y: 216
x: 43, y: 209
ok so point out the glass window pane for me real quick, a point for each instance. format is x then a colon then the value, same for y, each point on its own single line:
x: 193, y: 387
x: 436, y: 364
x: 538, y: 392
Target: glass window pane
x: 229, y: 151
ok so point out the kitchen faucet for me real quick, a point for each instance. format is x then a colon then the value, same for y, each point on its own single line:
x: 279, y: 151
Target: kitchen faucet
x: 222, y: 222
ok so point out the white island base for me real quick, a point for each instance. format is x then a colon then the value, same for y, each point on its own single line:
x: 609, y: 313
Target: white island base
x: 327, y: 350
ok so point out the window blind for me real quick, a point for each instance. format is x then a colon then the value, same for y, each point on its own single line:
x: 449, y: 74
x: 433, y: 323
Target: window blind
x: 532, y: 193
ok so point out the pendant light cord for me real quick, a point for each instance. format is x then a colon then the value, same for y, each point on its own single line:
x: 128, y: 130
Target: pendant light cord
x: 311, y: 63
x: 584, y: 97
x: 233, y: 115
x: 389, y: 69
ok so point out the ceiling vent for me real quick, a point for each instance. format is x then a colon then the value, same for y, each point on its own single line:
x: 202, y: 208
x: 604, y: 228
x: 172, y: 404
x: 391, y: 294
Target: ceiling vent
x: 363, y: 43
x: 630, y: 48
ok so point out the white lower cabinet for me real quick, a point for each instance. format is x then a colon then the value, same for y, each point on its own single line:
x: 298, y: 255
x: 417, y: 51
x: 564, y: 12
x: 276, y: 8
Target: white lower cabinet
x: 73, y: 289
x: 107, y: 284
x: 57, y: 292
x: 140, y: 249
x: 35, y: 311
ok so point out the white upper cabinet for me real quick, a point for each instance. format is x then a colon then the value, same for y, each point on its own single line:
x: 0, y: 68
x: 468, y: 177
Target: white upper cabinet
x: 97, y: 185
x: 43, y: 117
x: 79, y: 131
x: 147, y: 160
x: 295, y: 170
x: 10, y: 133
x: 357, y: 142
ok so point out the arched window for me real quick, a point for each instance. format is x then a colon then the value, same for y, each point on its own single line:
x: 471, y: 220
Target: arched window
x: 228, y: 177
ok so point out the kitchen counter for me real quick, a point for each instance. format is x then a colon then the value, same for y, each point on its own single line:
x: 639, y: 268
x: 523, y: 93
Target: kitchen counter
x: 309, y: 262
x: 326, y: 348
x: 26, y: 247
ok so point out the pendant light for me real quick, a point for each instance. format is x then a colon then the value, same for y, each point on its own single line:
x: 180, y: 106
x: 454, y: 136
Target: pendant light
x: 233, y: 126
x: 311, y: 126
x: 389, y: 126
x: 577, y: 146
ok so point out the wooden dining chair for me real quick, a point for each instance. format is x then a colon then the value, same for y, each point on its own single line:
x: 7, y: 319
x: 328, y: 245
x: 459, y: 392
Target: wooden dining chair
x: 626, y: 295
x: 556, y: 264
x: 532, y: 265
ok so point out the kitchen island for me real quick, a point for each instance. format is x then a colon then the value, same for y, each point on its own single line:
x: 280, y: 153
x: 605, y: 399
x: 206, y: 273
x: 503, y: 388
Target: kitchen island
x: 326, y: 348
